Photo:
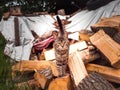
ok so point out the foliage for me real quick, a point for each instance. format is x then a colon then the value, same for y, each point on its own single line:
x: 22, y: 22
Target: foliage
x: 38, y: 5
x: 28, y: 6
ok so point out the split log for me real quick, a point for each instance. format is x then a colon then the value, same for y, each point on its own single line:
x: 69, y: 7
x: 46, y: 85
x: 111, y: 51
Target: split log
x: 115, y: 18
x: 42, y: 56
x: 61, y: 83
x: 50, y: 54
x: 83, y: 80
x: 23, y: 66
x: 77, y: 68
x: 89, y: 54
x: 108, y: 73
x: 42, y: 80
x: 87, y: 57
x: 111, y: 26
x: 107, y: 46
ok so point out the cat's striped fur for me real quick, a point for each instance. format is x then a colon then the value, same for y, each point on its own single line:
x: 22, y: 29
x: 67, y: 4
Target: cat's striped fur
x: 61, y: 46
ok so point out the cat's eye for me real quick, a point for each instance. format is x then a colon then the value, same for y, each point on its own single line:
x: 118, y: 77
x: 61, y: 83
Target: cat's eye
x: 57, y: 45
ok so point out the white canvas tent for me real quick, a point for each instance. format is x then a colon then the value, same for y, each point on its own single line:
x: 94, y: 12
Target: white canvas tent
x: 43, y: 24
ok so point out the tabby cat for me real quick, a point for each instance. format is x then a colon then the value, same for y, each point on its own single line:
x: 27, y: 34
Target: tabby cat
x: 61, y: 46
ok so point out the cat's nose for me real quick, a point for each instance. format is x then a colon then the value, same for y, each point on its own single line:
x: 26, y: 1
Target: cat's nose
x: 62, y: 45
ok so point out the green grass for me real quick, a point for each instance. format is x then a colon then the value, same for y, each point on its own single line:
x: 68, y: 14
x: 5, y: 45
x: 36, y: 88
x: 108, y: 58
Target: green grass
x: 6, y: 82
x: 5, y: 68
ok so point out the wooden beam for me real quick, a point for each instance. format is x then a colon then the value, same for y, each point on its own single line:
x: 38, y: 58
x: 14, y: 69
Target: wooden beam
x: 108, y: 73
x: 16, y: 29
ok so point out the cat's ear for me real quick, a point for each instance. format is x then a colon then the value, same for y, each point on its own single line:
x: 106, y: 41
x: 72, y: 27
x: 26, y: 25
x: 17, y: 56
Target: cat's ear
x: 55, y: 34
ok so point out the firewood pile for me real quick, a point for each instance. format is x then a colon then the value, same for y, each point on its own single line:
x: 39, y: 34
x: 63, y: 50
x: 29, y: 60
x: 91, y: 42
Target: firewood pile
x: 94, y: 62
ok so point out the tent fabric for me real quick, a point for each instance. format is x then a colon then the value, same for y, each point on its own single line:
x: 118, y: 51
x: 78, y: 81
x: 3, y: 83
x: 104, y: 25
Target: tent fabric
x: 85, y: 18
x: 43, y: 26
x: 26, y: 38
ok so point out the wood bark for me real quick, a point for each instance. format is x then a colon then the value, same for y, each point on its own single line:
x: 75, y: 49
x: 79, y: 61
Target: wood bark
x: 61, y: 83
x: 94, y: 82
x: 108, y: 73
x: 31, y: 84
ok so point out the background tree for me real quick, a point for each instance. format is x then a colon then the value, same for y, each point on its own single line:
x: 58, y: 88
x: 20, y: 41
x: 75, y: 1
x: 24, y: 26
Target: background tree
x: 30, y: 6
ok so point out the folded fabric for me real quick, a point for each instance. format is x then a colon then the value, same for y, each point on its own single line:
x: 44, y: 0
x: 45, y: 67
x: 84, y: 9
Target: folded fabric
x: 40, y: 45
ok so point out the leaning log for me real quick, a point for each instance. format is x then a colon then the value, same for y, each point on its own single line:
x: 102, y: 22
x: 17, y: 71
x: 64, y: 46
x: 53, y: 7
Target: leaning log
x: 23, y: 66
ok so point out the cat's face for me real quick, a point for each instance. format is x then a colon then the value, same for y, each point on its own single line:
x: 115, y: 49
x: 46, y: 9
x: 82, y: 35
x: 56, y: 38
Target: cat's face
x: 61, y: 45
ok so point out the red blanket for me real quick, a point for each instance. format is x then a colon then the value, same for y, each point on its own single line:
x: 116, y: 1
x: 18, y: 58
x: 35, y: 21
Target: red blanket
x: 40, y: 45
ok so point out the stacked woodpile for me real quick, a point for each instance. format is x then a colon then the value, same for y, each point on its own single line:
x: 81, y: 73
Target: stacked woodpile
x: 94, y: 62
